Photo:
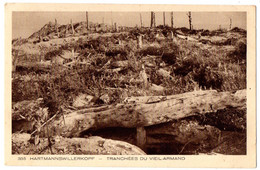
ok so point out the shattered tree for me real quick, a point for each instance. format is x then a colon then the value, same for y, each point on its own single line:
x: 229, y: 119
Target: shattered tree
x: 87, y: 20
x: 190, y: 20
x: 153, y: 24
x: 164, y: 19
x: 171, y: 19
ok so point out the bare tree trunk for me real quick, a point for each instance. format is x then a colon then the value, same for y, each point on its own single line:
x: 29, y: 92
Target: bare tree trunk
x: 66, y: 30
x: 87, y: 19
x: 72, y: 53
x: 190, y: 20
x: 40, y: 36
x: 14, y: 62
x: 115, y: 27
x: 57, y: 28
x: 164, y: 19
x: 111, y: 21
x: 152, y: 20
x: 141, y: 22
x: 144, y: 77
x: 171, y: 19
x: 55, y: 25
x: 140, y: 41
x: 230, y: 25
x: 72, y: 27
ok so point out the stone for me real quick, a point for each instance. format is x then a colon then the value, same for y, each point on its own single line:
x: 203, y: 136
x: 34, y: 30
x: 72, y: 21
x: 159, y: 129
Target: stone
x: 105, y: 98
x: 93, y: 145
x: 82, y: 100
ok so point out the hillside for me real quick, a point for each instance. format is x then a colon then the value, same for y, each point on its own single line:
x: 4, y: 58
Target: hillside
x: 103, y: 80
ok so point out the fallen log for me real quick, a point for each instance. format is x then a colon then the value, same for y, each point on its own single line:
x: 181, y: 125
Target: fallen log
x: 37, y: 67
x: 149, y: 111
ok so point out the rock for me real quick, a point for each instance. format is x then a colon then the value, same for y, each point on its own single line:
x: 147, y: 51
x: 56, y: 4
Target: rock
x: 94, y: 145
x: 20, y: 137
x: 45, y: 39
x: 164, y: 73
x: 20, y: 143
x: 155, y: 87
x: 83, y: 100
x: 105, y: 98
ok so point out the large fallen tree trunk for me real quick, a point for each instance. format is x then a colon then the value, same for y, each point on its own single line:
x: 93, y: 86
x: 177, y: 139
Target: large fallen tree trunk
x: 37, y: 67
x: 158, y: 124
x: 148, y: 110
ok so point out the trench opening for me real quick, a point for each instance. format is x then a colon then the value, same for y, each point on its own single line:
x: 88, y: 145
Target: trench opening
x: 159, y: 144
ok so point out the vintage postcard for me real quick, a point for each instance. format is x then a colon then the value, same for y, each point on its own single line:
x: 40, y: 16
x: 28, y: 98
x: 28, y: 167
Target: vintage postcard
x: 130, y: 85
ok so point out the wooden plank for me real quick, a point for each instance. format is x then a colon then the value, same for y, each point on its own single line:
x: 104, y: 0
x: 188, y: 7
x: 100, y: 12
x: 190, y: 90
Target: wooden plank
x: 141, y: 137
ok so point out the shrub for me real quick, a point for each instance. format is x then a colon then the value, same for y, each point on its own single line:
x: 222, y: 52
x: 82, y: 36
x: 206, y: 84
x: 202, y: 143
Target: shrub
x: 205, y: 33
x: 207, y: 78
x: 169, y: 58
x: 185, y: 67
x: 240, y: 51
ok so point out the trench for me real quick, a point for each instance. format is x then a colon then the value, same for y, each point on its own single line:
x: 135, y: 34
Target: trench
x: 221, y: 132
x: 229, y: 142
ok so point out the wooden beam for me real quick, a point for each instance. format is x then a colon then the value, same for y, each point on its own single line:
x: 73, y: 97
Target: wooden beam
x: 141, y: 138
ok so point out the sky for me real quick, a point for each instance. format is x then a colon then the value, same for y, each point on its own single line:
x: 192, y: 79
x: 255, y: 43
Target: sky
x: 26, y: 23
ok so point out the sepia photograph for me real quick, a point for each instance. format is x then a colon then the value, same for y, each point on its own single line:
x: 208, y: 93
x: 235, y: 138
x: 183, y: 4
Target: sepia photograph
x: 151, y: 82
